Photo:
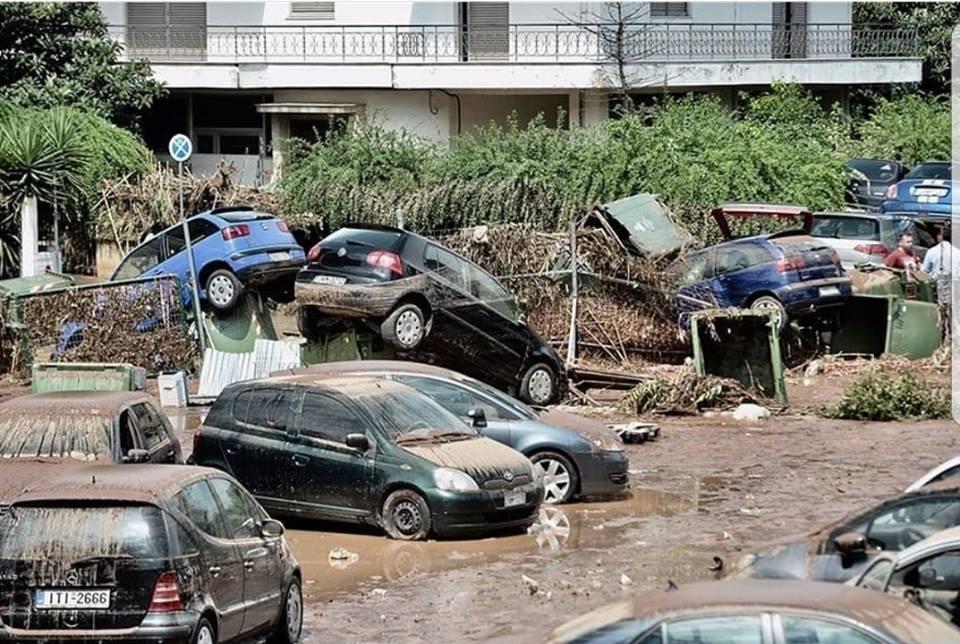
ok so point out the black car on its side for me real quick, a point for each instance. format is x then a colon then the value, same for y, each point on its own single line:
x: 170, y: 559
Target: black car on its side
x: 151, y: 553
x: 366, y: 450
x: 430, y: 302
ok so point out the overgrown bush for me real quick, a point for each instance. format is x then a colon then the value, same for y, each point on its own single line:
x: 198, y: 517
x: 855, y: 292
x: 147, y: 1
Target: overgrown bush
x: 911, y: 129
x: 877, y: 396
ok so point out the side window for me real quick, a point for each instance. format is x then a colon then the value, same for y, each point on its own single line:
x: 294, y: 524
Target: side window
x: 328, y: 419
x: 242, y: 522
x: 742, y: 629
x: 151, y: 425
x: 486, y: 289
x: 905, y: 524
x: 740, y: 256
x: 802, y: 630
x: 941, y: 572
x: 446, y: 264
x: 268, y: 408
x: 197, y: 502
x: 949, y: 473
x: 141, y: 260
x: 127, y: 441
x: 184, y: 543
x: 696, y: 268
x: 457, y: 400
x: 876, y: 576
x: 199, y: 229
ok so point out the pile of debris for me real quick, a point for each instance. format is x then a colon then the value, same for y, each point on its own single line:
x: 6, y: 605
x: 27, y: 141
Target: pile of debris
x: 686, y: 393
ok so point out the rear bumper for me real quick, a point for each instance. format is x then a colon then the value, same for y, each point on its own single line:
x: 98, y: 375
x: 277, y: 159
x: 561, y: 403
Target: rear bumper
x: 170, y: 628
x: 483, y: 511
x: 258, y: 268
x: 603, y: 473
x: 808, y: 297
x: 355, y: 300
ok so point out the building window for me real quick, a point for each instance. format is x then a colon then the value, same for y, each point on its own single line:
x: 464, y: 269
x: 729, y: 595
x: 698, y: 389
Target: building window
x: 167, y: 30
x: 669, y: 10
x: 312, y: 11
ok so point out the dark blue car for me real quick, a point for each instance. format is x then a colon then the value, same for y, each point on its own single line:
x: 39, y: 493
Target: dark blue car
x: 789, y: 273
x: 926, y: 190
x: 233, y: 247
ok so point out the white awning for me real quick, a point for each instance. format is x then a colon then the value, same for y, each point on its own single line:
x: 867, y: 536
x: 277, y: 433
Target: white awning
x: 309, y: 108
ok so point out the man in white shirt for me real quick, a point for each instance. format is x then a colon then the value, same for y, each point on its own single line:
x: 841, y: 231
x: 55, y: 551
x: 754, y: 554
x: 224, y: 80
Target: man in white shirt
x: 939, y: 260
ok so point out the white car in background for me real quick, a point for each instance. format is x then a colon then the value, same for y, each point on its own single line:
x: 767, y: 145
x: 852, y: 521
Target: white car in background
x: 868, y: 237
x: 946, y: 470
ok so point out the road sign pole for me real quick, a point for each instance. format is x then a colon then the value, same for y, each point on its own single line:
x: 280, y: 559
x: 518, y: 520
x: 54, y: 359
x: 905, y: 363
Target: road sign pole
x: 194, y: 284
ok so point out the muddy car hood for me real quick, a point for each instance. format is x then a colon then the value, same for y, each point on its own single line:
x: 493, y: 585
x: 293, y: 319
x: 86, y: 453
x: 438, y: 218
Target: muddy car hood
x: 590, y: 429
x: 482, y: 458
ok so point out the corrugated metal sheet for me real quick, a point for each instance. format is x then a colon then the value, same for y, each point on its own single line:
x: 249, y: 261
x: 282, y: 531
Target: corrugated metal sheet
x: 221, y: 368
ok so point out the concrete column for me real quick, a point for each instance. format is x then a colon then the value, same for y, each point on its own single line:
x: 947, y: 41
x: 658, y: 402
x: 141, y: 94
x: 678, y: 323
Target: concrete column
x: 596, y: 107
x: 29, y: 237
x: 574, y: 115
x: 280, y: 132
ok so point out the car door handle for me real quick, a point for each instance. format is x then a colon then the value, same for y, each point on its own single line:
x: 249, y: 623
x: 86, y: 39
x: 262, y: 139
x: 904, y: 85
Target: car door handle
x: 300, y: 460
x: 214, y: 570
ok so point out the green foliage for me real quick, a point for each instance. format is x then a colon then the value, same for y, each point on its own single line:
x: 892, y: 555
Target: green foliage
x: 911, y: 129
x: 877, y: 396
x: 59, y: 53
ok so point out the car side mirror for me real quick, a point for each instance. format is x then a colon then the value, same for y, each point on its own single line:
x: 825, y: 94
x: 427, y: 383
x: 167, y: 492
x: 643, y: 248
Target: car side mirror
x: 929, y: 578
x: 271, y: 528
x: 851, y: 545
x: 478, y: 417
x: 137, y: 456
x: 359, y: 442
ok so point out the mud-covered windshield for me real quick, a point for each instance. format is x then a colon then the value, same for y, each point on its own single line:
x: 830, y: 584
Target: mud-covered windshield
x: 51, y: 435
x: 411, y: 417
x: 71, y: 534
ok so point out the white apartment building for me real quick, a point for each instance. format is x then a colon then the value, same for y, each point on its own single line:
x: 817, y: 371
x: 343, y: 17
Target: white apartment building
x: 246, y: 76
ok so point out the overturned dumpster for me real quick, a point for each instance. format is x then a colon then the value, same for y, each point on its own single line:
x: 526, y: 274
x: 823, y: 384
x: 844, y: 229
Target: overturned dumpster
x: 891, y: 311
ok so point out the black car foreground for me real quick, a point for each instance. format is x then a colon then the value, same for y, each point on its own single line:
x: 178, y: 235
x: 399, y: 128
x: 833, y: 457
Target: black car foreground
x: 153, y: 553
x: 366, y: 450
x: 429, y: 302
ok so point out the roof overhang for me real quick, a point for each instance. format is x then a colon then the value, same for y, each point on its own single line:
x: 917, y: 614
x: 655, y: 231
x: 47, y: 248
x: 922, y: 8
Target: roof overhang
x: 309, y: 108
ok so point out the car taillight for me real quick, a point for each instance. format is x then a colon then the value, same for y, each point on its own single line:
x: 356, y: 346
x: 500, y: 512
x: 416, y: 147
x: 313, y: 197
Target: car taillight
x: 314, y: 253
x: 233, y: 232
x: 793, y: 263
x: 282, y: 225
x: 166, y: 594
x: 834, y: 257
x: 890, y: 192
x: 385, y: 259
x: 871, y: 249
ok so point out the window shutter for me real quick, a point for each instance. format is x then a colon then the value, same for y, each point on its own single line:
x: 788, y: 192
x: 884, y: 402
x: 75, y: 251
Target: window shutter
x: 312, y: 10
x: 188, y: 14
x: 669, y: 10
x: 488, y: 29
x: 146, y: 14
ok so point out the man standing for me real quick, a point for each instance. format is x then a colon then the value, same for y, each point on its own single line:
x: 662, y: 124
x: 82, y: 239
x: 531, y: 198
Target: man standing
x: 938, y: 262
x: 903, y: 257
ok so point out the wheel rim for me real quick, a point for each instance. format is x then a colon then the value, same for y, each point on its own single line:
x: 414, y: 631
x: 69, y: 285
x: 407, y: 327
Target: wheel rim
x: 553, y: 528
x: 407, y: 517
x: 540, y: 386
x: 408, y: 328
x: 556, y: 480
x: 205, y: 636
x: 221, y: 290
x: 294, y: 613
x: 768, y: 305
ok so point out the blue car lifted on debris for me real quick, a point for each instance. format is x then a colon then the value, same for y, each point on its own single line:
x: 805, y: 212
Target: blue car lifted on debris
x: 233, y: 247
x: 788, y: 273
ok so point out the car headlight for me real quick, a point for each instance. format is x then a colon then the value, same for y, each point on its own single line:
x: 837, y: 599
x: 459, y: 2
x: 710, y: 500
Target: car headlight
x: 451, y: 480
x: 611, y: 444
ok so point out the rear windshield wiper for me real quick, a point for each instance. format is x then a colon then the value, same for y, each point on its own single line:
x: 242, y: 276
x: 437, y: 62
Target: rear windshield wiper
x: 97, y: 558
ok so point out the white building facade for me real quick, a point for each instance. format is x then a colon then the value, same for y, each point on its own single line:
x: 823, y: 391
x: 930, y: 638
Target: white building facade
x: 246, y: 76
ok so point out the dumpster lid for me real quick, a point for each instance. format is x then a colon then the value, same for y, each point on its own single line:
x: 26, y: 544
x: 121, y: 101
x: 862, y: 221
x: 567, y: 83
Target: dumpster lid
x: 643, y: 225
x: 35, y: 284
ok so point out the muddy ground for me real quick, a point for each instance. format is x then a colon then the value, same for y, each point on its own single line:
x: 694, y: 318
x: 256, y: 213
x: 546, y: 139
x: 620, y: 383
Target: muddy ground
x: 708, y: 487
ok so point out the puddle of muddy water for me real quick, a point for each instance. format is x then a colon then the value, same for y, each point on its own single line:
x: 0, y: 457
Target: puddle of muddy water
x: 381, y: 561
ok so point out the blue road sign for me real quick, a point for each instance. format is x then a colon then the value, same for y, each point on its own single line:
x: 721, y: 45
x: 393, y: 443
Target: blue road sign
x: 180, y: 147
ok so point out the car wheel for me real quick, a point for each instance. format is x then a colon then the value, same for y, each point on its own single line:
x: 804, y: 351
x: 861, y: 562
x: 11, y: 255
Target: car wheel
x: 559, y: 477
x: 406, y: 516
x: 290, y: 623
x: 405, y: 328
x: 282, y: 291
x: 772, y: 304
x: 204, y: 633
x: 223, y: 290
x: 539, y: 385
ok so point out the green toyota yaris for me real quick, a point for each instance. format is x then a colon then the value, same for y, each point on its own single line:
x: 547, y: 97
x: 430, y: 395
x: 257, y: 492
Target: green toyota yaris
x: 366, y: 450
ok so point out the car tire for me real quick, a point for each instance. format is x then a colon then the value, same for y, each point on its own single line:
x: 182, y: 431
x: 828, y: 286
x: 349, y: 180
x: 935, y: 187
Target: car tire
x: 223, y: 291
x: 770, y: 303
x: 282, y: 291
x: 405, y: 328
x: 538, y: 385
x: 406, y: 516
x: 205, y: 633
x: 560, y: 479
x: 290, y: 624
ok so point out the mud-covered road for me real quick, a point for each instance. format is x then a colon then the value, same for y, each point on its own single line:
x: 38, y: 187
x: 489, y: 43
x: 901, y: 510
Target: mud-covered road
x: 708, y: 486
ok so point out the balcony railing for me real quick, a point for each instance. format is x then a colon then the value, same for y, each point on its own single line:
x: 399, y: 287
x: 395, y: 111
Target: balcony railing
x: 448, y: 44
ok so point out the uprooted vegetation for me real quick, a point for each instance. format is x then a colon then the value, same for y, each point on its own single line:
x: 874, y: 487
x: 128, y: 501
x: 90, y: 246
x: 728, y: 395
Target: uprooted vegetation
x: 686, y: 393
x: 883, y: 396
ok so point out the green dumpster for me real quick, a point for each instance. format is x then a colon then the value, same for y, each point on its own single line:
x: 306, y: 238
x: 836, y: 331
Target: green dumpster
x: 238, y: 331
x: 346, y: 345
x: 49, y: 377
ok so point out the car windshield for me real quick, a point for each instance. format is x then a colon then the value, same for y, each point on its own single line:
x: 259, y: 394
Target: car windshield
x: 408, y: 416
x: 876, y: 169
x: 73, y: 533
x: 841, y: 227
x: 51, y: 435
x: 930, y: 171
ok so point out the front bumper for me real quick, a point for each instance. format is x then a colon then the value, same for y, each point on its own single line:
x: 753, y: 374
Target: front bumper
x: 167, y: 628
x: 483, y: 511
x: 603, y: 473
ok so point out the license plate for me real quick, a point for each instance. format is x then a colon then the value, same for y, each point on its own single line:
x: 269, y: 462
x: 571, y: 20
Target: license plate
x: 76, y: 599
x: 930, y: 192
x: 329, y: 279
x: 829, y: 291
x: 511, y: 499
x: 279, y: 257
